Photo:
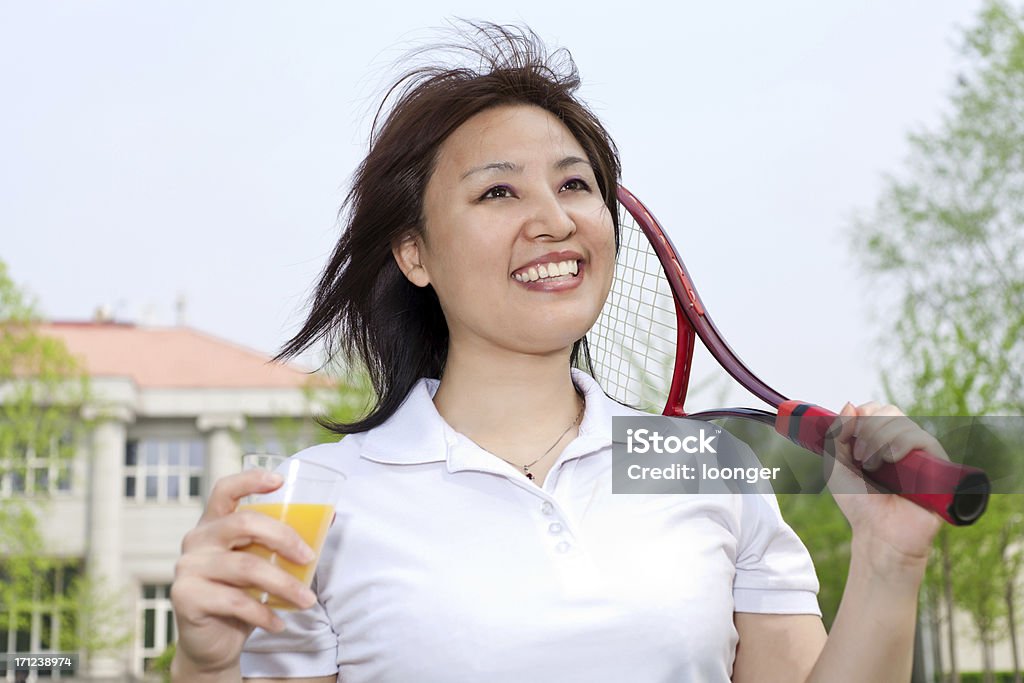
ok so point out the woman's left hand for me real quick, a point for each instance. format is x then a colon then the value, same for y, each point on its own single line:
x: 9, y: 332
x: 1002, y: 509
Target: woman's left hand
x: 896, y: 533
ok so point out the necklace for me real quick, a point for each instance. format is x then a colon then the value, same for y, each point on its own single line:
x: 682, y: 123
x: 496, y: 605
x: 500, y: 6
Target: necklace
x: 526, y: 468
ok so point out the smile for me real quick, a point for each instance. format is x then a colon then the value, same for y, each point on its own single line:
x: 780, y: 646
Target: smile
x: 561, y: 270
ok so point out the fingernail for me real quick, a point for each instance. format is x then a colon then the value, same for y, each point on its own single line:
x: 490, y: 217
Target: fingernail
x: 274, y: 478
x: 308, y: 598
x: 306, y: 553
x: 277, y: 625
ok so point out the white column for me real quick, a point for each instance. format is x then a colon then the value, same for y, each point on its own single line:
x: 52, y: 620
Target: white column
x: 223, y: 450
x: 104, y: 551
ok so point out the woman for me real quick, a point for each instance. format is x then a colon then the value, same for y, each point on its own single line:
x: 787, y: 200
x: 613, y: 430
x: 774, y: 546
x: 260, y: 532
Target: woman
x: 477, y: 538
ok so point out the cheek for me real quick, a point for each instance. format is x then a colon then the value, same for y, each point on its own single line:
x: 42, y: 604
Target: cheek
x: 608, y: 255
x: 467, y: 272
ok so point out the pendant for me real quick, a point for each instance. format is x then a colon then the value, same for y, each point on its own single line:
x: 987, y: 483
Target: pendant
x: 528, y: 475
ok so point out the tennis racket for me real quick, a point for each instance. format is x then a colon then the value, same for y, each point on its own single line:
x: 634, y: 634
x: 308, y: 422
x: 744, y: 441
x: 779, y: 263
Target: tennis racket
x: 641, y: 353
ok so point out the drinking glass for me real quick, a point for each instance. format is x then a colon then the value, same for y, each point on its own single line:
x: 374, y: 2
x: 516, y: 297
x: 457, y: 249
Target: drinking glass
x: 305, y: 502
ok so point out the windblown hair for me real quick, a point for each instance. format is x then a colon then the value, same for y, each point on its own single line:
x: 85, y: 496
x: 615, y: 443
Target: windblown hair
x: 363, y: 308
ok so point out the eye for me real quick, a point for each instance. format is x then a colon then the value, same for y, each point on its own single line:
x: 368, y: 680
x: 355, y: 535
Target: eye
x: 576, y: 185
x: 497, y: 192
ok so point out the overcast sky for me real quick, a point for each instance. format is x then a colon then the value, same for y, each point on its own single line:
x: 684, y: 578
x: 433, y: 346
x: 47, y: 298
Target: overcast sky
x: 151, y: 149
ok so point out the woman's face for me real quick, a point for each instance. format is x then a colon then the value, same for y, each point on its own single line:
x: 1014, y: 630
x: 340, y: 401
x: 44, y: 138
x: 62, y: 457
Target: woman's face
x: 518, y: 242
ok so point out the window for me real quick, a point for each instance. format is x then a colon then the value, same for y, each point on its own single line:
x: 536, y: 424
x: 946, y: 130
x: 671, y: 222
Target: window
x: 26, y: 472
x: 156, y: 626
x: 43, y: 622
x: 163, y: 470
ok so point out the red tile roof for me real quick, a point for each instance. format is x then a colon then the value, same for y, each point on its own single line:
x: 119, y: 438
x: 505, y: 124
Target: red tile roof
x: 171, y: 357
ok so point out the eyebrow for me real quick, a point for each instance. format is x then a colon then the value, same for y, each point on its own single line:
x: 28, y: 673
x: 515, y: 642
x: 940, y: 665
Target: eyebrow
x: 515, y: 168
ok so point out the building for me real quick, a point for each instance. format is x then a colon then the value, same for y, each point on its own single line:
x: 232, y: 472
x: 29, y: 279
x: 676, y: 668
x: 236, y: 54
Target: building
x: 174, y: 410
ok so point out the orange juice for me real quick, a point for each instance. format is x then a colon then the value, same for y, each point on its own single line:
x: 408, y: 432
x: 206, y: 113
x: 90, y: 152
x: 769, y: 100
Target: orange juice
x: 311, y: 521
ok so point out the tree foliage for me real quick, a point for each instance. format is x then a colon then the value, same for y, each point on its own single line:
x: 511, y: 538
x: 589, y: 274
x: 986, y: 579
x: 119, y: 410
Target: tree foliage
x: 42, y: 389
x: 947, y: 234
x: 41, y: 385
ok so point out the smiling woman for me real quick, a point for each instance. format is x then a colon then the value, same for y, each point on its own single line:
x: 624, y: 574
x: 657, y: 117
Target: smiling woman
x: 477, y: 538
x: 363, y: 307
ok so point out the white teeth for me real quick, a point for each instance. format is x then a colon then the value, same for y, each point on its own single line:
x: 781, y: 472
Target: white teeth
x: 548, y: 270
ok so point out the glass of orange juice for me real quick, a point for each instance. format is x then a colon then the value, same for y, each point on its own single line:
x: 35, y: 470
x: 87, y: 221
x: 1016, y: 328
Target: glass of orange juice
x: 305, y: 502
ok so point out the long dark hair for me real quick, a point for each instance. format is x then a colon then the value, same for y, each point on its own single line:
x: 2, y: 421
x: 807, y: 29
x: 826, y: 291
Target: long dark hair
x: 363, y: 307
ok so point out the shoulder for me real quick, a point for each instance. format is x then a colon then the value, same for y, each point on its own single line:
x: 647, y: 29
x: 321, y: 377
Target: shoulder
x: 331, y: 453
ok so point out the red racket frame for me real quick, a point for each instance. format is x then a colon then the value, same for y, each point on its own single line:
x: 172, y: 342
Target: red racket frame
x: 957, y: 493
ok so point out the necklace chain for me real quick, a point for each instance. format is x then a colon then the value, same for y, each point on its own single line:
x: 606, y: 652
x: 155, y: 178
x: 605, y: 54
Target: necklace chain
x: 526, y: 467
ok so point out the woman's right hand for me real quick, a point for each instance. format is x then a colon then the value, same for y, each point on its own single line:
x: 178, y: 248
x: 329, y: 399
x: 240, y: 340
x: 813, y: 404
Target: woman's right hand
x: 214, y: 612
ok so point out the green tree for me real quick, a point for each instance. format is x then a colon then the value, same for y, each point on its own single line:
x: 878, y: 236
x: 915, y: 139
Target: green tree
x: 947, y: 234
x: 39, y: 387
x: 42, y: 390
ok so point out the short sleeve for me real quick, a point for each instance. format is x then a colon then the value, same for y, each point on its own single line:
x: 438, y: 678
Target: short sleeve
x: 306, y: 647
x: 774, y: 571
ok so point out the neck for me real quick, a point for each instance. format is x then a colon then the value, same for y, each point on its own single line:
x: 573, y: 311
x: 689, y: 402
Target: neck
x: 511, y: 403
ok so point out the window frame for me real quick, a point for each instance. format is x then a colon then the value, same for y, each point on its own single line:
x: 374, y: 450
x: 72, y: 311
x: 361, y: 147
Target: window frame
x: 148, y: 459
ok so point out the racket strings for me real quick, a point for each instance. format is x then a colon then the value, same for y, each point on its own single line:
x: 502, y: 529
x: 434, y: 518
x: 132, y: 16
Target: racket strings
x: 633, y: 343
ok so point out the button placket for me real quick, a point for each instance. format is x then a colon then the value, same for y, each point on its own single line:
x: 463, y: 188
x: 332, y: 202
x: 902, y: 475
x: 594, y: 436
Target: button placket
x: 556, y: 527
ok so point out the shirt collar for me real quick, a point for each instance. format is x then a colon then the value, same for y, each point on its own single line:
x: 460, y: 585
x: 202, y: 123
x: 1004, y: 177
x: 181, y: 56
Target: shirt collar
x: 417, y: 434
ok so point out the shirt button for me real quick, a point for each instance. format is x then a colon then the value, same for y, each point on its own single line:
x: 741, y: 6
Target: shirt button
x: 555, y: 528
x: 547, y: 508
x: 562, y: 547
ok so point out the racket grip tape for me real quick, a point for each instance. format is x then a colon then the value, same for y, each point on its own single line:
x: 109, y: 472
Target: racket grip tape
x: 957, y: 493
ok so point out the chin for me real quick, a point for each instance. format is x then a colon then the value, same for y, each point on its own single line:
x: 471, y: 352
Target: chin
x: 553, y: 344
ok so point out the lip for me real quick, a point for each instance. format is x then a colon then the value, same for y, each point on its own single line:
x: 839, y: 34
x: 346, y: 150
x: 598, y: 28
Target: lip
x: 553, y: 285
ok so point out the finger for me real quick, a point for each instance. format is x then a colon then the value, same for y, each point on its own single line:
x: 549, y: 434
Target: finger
x: 227, y: 491
x: 245, y: 527
x: 890, y: 439
x: 246, y: 570
x: 870, y: 408
x: 873, y: 433
x: 901, y: 437
x: 841, y: 430
x: 873, y: 409
x: 196, y: 599
x: 914, y: 439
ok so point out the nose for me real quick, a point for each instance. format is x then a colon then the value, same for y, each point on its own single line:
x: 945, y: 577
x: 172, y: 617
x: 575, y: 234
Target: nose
x: 549, y: 220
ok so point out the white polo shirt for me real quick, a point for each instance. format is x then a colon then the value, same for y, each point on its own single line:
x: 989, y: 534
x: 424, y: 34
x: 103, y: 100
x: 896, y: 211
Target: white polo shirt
x: 446, y: 565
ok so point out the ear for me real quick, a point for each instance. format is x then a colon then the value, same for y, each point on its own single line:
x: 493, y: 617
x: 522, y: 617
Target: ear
x: 408, y: 255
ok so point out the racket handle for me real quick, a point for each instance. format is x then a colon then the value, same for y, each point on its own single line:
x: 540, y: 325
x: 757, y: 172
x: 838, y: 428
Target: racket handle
x: 957, y: 493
